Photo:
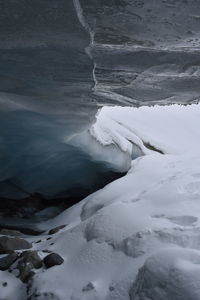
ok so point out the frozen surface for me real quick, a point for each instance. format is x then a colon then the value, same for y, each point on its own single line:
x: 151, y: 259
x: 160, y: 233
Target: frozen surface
x: 139, y: 236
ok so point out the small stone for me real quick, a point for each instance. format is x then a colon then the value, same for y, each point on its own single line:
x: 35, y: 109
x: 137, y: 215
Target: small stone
x: 46, y: 251
x: 88, y: 287
x: 56, y: 229
x: 7, y: 261
x: 43, y: 296
x: 5, y: 284
x: 8, y: 244
x: 53, y: 259
x: 49, y: 238
x: 38, y: 242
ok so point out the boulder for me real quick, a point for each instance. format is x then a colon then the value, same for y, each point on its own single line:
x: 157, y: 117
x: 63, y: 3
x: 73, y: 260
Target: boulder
x: 53, y: 259
x: 31, y: 257
x: 7, y: 261
x: 8, y: 244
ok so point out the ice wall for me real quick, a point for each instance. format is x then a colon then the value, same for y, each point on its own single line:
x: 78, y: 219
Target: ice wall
x: 45, y: 95
x: 46, y: 83
x: 62, y: 60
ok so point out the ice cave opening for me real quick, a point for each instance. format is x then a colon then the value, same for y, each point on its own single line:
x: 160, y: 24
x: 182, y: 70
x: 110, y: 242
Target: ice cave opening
x: 52, y: 170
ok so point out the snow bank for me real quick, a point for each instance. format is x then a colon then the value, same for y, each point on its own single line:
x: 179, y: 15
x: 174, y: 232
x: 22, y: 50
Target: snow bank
x: 146, y: 221
x: 172, y: 129
x: 169, y: 274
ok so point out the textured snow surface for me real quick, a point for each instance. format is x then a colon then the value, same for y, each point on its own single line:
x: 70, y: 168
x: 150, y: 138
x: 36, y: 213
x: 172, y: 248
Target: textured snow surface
x: 139, y: 237
x: 172, y: 129
x: 11, y: 288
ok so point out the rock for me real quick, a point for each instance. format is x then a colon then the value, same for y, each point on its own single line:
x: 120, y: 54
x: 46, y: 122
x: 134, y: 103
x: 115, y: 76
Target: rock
x: 26, y: 272
x: 53, y: 259
x: 29, y: 260
x: 43, y: 296
x: 10, y: 232
x: 46, y: 251
x: 31, y: 257
x: 56, y: 229
x: 8, y: 244
x: 90, y: 286
x: 111, y: 288
x: 4, y: 284
x: 7, y: 261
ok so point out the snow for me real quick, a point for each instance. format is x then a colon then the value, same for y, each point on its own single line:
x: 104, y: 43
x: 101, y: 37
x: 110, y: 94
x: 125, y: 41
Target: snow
x: 139, y: 236
x: 173, y: 129
x: 169, y: 274
x: 11, y: 288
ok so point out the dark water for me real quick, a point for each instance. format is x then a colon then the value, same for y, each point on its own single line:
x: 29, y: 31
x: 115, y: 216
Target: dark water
x: 138, y: 53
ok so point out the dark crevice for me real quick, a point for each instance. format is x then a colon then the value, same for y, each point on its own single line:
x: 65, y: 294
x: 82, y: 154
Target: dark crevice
x: 24, y: 214
x: 153, y: 148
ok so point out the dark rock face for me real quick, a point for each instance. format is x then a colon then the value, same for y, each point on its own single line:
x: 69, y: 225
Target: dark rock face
x: 7, y: 261
x: 52, y: 260
x: 142, y: 48
x: 8, y: 244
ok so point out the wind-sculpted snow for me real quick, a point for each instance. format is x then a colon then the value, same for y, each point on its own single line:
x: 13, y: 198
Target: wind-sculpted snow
x: 138, y: 237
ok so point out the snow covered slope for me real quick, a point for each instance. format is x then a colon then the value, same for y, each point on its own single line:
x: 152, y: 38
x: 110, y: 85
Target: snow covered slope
x: 139, y: 237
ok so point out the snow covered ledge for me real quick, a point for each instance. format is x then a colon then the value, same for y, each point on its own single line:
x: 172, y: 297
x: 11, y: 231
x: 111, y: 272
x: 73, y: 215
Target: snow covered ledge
x: 170, y: 129
x: 146, y: 221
